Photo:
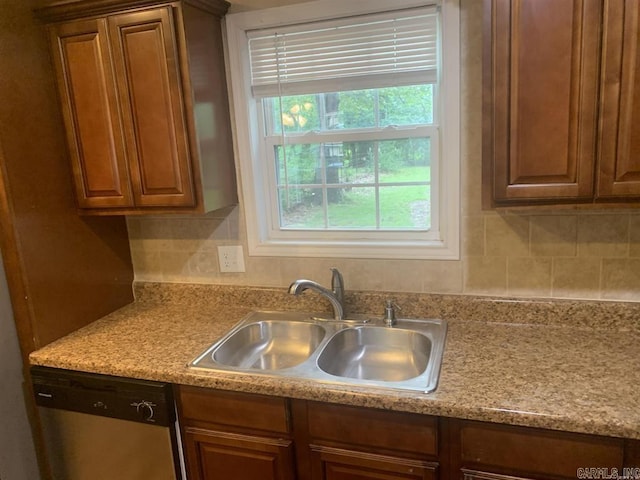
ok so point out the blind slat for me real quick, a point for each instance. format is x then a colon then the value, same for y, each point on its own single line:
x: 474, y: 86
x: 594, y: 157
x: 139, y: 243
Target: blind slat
x: 360, y: 44
x: 310, y: 65
x: 424, y: 28
x: 350, y: 82
x: 377, y: 47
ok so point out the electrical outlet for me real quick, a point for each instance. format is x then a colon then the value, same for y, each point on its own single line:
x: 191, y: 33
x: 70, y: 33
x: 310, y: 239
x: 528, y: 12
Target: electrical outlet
x: 231, y: 258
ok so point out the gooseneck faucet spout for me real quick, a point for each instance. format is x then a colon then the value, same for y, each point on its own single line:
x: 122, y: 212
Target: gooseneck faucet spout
x: 335, y: 296
x: 337, y: 286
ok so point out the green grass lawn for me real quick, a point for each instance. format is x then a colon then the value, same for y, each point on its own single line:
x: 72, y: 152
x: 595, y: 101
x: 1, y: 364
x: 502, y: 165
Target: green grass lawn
x: 400, y: 207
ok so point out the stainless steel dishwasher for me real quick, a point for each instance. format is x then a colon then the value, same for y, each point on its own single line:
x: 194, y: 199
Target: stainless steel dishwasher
x: 98, y: 427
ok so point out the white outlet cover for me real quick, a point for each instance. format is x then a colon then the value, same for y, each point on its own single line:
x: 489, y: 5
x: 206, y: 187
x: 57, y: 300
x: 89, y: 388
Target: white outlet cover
x: 231, y: 258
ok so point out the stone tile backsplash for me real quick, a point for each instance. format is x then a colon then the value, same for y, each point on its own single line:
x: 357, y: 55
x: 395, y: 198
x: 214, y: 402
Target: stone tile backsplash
x: 523, y: 256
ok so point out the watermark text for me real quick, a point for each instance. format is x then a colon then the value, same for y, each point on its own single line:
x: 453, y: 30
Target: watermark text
x: 632, y: 473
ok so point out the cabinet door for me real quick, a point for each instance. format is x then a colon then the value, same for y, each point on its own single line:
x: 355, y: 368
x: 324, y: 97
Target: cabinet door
x: 146, y: 59
x: 90, y: 109
x: 337, y: 464
x: 540, y: 97
x: 213, y: 455
x: 620, y: 133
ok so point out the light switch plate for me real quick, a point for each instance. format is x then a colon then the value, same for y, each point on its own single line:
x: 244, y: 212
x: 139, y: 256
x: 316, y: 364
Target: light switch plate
x: 231, y: 258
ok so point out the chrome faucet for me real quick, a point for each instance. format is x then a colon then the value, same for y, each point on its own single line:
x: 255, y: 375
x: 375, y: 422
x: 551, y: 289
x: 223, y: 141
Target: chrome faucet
x: 335, y: 295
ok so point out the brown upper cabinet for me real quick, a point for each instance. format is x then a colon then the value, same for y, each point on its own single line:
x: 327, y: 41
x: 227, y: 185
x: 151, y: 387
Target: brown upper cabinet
x: 144, y: 100
x: 559, y: 103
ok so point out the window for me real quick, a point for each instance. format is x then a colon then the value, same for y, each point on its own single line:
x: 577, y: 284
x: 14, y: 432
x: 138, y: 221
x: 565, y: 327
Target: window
x: 347, y: 128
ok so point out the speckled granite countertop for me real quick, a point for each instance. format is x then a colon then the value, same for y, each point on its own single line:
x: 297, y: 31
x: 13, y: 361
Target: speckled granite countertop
x: 571, y: 366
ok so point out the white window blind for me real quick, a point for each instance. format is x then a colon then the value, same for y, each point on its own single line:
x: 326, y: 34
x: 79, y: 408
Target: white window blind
x: 375, y: 50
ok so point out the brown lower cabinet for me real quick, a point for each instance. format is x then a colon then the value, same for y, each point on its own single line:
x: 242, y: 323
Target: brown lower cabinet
x: 338, y: 442
x: 228, y: 435
x: 247, y: 436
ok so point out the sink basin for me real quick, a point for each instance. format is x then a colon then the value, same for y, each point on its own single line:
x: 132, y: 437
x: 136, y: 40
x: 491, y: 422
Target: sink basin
x: 376, y: 353
x: 264, y: 341
x: 358, y: 352
x: 270, y: 345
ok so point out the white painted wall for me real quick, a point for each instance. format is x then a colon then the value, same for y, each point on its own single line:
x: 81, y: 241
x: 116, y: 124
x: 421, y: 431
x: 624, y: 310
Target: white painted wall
x: 17, y: 453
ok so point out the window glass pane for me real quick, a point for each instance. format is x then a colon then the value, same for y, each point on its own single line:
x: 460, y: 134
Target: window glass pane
x: 354, y: 109
x: 374, y: 108
x: 359, y: 162
x: 298, y: 164
x: 300, y: 113
x: 406, y: 105
x: 405, y: 208
x: 405, y: 160
x: 301, y: 208
x: 353, y: 208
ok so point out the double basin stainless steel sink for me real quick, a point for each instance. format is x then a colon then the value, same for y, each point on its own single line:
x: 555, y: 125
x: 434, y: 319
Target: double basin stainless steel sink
x: 406, y: 356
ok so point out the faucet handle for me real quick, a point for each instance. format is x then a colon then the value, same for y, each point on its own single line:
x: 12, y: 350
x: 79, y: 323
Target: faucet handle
x: 391, y: 303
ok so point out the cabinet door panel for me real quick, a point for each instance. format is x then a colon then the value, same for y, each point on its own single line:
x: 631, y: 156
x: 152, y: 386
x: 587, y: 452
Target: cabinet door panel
x: 89, y: 105
x: 221, y: 455
x: 147, y: 67
x: 620, y: 133
x: 541, y: 98
x: 337, y: 464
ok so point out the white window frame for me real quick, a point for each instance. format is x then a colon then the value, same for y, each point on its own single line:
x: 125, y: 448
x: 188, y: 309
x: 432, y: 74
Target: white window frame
x: 262, y: 238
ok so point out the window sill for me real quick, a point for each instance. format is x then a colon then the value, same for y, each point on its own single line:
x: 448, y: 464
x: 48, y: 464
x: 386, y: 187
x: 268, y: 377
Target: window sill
x: 415, y: 250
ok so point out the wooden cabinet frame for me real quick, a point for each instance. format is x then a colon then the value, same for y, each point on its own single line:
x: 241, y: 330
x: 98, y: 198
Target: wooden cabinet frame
x: 560, y: 103
x: 144, y: 98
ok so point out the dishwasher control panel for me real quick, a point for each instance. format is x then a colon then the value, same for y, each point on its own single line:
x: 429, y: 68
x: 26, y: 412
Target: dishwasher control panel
x: 128, y: 399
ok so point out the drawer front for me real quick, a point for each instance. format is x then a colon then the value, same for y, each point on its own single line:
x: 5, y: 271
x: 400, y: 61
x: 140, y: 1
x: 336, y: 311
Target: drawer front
x: 232, y: 409
x: 632, y: 453
x: 372, y: 428
x: 337, y: 464
x: 536, y: 451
